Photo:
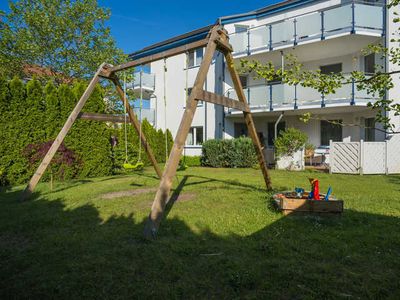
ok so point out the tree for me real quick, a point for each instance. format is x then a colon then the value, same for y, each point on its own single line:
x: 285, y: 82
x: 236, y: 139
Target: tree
x: 382, y: 81
x: 66, y: 38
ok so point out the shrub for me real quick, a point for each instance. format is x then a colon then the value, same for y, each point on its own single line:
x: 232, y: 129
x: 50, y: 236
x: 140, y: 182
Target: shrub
x: 290, y: 141
x: 232, y: 153
x: 192, y: 161
x: 31, y: 115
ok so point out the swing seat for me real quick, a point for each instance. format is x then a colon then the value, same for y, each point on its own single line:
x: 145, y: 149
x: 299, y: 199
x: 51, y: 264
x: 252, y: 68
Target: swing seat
x: 138, y: 166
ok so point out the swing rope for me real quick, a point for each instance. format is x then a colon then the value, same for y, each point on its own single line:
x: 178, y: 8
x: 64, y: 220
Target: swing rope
x: 182, y: 164
x: 165, y: 109
x: 125, y: 127
x: 139, y: 165
x: 140, y: 117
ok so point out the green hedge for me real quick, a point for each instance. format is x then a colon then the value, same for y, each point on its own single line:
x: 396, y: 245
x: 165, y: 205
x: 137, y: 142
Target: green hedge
x: 32, y: 114
x: 192, y: 161
x: 231, y: 153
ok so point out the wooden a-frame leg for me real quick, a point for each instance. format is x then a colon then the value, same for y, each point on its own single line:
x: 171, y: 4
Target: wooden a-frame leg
x: 136, y: 124
x: 162, y: 196
x: 60, y: 137
x: 249, y: 119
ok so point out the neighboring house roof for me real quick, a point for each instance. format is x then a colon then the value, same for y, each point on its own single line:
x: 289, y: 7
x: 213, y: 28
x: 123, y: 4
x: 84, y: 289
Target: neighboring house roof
x: 202, y: 32
x: 42, y: 72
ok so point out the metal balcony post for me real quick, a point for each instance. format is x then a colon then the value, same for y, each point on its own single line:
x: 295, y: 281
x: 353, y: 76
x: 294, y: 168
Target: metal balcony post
x: 248, y: 96
x: 352, y: 102
x: 271, y: 108
x: 295, y: 97
x: 295, y: 32
x: 384, y: 19
x: 323, y: 100
x: 270, y: 37
x: 322, y: 25
x: 353, y: 18
x: 248, y: 41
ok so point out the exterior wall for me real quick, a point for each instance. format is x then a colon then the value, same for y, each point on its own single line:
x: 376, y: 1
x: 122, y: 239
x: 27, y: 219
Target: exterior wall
x: 346, y: 50
x: 177, y: 77
x: 392, y: 32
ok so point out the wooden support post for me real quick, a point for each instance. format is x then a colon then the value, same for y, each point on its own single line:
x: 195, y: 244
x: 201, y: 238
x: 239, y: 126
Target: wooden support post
x: 101, y: 117
x: 248, y: 118
x: 60, y: 137
x: 164, y: 189
x: 222, y: 100
x: 136, y: 124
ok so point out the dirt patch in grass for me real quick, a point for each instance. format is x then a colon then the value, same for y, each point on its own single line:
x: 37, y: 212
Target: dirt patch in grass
x: 128, y: 193
x: 181, y: 198
x: 184, y: 197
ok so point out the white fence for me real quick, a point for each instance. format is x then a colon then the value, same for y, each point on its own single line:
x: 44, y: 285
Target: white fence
x: 365, y: 157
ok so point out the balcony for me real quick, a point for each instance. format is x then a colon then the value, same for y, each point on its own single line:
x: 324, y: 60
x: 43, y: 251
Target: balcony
x: 355, y: 17
x: 144, y: 82
x: 147, y: 113
x: 281, y: 96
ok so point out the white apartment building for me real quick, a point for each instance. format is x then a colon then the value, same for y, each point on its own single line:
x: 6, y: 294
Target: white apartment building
x: 328, y: 35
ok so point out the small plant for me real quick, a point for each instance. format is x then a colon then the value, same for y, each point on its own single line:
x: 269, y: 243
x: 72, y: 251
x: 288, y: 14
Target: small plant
x: 64, y: 158
x: 290, y: 141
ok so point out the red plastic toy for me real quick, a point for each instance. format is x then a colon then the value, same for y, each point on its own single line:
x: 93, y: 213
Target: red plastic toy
x: 314, y: 189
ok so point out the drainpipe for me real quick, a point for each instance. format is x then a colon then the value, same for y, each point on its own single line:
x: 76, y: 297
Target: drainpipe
x: 277, y: 123
x: 282, y: 61
x: 156, y: 107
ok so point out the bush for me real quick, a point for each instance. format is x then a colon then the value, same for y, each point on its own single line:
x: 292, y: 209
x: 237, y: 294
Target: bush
x: 192, y: 161
x: 32, y: 114
x: 290, y: 141
x: 232, y: 153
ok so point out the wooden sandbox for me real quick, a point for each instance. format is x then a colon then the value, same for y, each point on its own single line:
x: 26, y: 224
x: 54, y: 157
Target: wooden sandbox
x: 288, y: 203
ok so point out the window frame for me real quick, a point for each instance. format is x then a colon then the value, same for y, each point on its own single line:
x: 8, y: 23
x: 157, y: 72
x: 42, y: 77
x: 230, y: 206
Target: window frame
x: 369, y: 129
x: 197, y: 59
x: 331, y: 65
x: 194, y: 131
x: 324, y: 141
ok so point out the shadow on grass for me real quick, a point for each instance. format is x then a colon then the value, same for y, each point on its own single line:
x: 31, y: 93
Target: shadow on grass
x: 49, y: 252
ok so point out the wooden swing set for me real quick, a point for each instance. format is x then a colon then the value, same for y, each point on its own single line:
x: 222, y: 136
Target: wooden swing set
x: 216, y: 40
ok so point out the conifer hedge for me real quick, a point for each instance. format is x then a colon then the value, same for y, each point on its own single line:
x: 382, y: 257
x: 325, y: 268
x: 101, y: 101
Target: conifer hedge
x: 32, y: 114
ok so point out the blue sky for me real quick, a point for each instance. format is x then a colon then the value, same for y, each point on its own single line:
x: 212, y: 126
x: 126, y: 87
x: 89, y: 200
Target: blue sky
x: 137, y: 24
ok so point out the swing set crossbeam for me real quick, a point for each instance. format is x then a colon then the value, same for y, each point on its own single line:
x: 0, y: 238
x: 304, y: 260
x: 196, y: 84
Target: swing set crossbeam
x: 221, y: 100
x: 216, y: 40
x: 101, y: 117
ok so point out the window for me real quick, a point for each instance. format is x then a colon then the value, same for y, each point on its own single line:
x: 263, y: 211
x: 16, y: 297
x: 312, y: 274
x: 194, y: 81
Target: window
x: 369, y: 130
x: 195, y: 136
x: 271, y: 131
x: 369, y: 63
x: 328, y: 69
x: 195, y: 57
x: 331, y: 130
x: 240, y: 130
x: 243, y: 81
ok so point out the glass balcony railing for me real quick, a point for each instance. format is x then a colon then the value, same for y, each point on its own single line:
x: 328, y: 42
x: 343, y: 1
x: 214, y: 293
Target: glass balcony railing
x: 349, y: 18
x: 142, y: 80
x: 281, y: 96
x: 147, y: 113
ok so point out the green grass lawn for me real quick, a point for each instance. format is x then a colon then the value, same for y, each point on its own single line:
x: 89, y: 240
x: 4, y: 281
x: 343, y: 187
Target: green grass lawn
x: 222, y: 238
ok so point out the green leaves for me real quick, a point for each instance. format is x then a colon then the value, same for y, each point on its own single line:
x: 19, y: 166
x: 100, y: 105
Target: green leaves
x: 290, y: 141
x: 67, y: 38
